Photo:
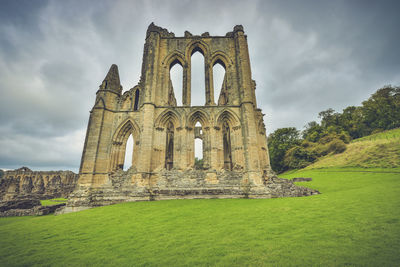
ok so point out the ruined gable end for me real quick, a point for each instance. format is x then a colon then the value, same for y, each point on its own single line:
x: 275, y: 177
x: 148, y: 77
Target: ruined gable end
x: 163, y: 165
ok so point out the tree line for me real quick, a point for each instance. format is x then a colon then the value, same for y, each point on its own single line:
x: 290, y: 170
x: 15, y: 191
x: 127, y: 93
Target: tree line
x: 290, y: 148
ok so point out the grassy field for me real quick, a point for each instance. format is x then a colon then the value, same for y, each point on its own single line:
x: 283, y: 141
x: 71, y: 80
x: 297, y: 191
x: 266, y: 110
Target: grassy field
x: 355, y: 221
x: 54, y: 201
x: 389, y: 134
x: 380, y: 150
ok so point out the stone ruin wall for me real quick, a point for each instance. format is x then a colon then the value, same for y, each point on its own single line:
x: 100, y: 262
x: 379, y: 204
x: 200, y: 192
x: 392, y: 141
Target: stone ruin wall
x: 235, y: 150
x: 24, y: 183
x: 131, y: 185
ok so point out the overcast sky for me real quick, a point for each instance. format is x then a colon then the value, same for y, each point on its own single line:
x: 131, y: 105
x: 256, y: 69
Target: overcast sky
x: 306, y: 56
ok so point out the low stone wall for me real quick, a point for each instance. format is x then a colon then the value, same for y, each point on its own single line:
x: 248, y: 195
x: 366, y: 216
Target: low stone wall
x: 24, y: 183
x: 302, y: 179
x: 26, y: 207
x: 133, y: 186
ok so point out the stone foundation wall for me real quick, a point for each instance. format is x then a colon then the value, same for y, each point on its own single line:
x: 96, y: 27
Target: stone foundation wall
x: 24, y: 183
x: 26, y: 207
x: 134, y: 186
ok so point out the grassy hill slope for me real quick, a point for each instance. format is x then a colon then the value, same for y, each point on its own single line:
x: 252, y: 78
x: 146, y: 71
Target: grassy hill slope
x: 380, y: 150
x: 355, y: 221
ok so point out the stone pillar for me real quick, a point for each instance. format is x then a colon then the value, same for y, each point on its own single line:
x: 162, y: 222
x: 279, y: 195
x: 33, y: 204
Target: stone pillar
x: 151, y: 65
x: 211, y: 84
x: 206, y: 146
x: 96, y: 153
x: 208, y: 83
x: 186, y: 85
x: 217, y: 149
x: 189, y: 85
x: 90, y: 147
x: 135, y: 152
x: 146, y: 142
x: 189, y: 140
x: 178, y: 145
x: 249, y: 129
x: 159, y: 145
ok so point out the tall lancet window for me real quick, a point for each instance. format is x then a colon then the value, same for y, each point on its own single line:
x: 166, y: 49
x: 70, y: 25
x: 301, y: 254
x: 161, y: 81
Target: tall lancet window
x: 128, y: 153
x: 175, y: 84
x: 219, y: 79
x: 198, y: 80
x: 169, y: 151
x: 198, y: 146
x: 227, y: 146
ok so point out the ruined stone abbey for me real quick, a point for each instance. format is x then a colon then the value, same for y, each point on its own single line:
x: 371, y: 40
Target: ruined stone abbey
x: 235, y: 153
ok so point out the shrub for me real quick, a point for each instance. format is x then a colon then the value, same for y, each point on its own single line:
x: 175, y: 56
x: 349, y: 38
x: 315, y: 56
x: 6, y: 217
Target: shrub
x: 307, y: 144
x: 344, y: 136
x: 198, y: 163
x: 299, y: 157
x: 377, y: 131
x: 337, y: 146
x: 320, y: 149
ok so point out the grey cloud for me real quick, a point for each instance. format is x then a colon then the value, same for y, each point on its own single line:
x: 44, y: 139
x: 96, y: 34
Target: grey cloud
x: 306, y: 56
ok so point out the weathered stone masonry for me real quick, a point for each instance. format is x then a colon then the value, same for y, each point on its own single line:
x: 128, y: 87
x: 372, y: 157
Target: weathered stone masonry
x: 235, y: 152
x: 24, y: 183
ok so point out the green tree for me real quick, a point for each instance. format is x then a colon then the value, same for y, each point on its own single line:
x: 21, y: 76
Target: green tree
x: 198, y: 163
x: 382, y: 109
x: 279, y: 142
x: 329, y: 118
x: 299, y: 157
x: 351, y: 120
x: 312, y: 132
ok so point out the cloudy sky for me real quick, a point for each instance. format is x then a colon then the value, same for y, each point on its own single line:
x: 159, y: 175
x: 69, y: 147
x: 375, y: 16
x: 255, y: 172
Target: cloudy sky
x: 306, y: 56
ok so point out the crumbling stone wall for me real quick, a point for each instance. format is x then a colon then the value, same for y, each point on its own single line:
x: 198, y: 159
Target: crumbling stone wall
x: 24, y: 183
x: 132, y: 185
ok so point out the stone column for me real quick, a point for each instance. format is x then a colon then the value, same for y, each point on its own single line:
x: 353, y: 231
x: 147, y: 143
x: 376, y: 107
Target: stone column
x: 249, y: 129
x: 189, y: 140
x: 206, y: 146
x: 217, y: 149
x: 146, y: 142
x: 178, y: 145
x: 208, y: 83
x: 186, y: 85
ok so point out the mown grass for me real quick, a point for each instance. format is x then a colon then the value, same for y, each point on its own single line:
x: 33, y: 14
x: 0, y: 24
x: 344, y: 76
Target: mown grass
x: 380, y: 150
x: 355, y: 221
x: 53, y: 201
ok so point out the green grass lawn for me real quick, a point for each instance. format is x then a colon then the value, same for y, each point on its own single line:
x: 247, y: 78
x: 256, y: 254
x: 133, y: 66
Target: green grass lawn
x: 53, y: 201
x: 355, y: 221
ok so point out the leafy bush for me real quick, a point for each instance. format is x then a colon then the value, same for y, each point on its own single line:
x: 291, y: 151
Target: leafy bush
x: 280, y: 141
x: 320, y: 149
x: 299, y: 157
x: 198, y: 163
x: 307, y: 144
x: 331, y: 144
x: 379, y: 130
x: 336, y: 146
